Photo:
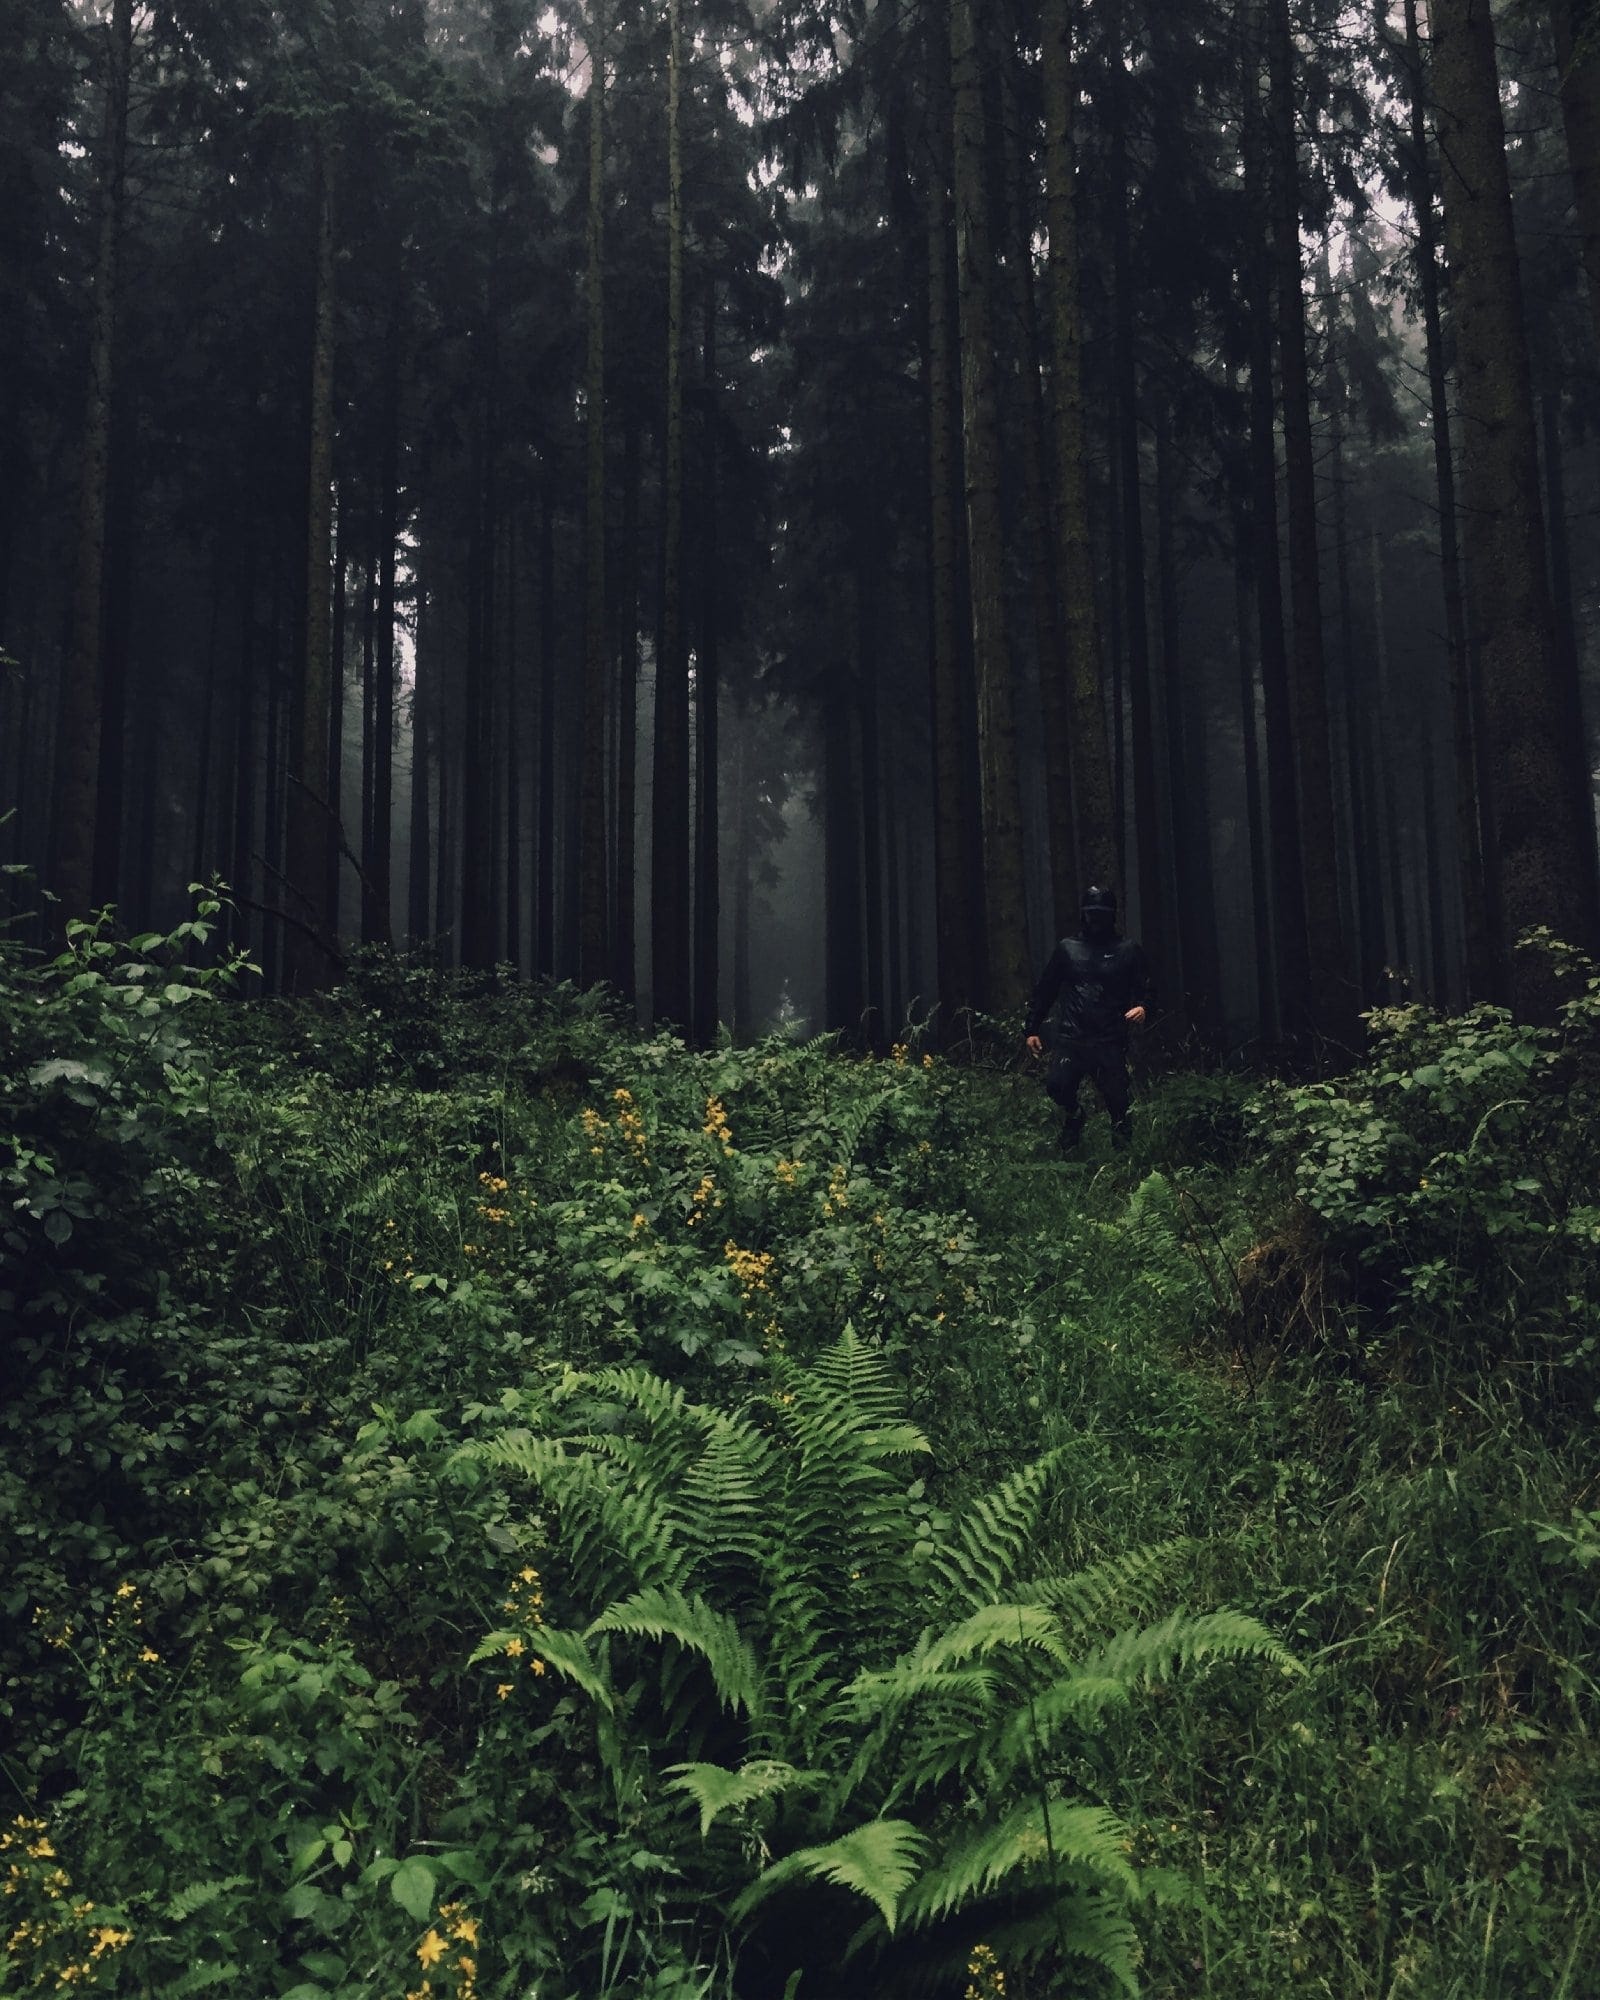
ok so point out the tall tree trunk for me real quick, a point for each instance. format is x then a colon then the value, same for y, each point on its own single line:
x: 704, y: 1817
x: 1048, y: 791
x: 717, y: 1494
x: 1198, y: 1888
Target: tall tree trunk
x: 1246, y: 601
x: 1579, y: 766
x: 78, y: 765
x: 743, y: 880
x: 954, y: 864
x: 624, y: 973
x: 311, y: 809
x: 593, y: 945
x: 378, y: 925
x: 1292, y: 972
x: 1541, y: 853
x: 1468, y: 824
x: 545, y: 942
x: 1098, y: 840
x: 1055, y: 672
x: 841, y: 835
x: 120, y: 571
x: 1577, y: 36
x: 1333, y: 999
x: 336, y: 664
x: 1006, y: 915
x: 242, y: 873
x: 670, y: 912
x: 1187, y: 776
x: 512, y: 760
x: 1154, y: 914
x: 707, y: 845
x: 867, y: 671
x: 419, y: 871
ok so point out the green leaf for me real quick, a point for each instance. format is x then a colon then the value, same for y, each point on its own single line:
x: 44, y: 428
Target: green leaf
x: 879, y: 1861
x: 716, y: 1790
x: 412, y: 1887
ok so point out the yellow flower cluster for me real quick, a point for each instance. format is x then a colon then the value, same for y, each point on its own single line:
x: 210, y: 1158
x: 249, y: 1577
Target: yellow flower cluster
x: 630, y: 1123
x: 595, y: 1129
x: 787, y: 1172
x: 525, y: 1603
x: 927, y: 1062
x: 899, y: 1053
x: 753, y: 1271
x: 704, y: 1197
x: 58, y: 1629
x: 986, y: 1980
x: 60, y: 1936
x: 837, y: 1197
x: 716, y: 1126
x: 446, y: 1955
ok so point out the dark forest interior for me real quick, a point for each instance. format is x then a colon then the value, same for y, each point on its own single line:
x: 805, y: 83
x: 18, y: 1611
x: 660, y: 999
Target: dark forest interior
x: 588, y: 590
x: 763, y: 515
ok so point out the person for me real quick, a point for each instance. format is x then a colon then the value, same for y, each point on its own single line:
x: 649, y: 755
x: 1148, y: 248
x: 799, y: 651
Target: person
x: 1097, y: 983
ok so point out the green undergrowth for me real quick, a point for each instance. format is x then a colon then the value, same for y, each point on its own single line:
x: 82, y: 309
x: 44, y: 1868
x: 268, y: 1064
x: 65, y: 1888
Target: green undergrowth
x: 496, y: 1504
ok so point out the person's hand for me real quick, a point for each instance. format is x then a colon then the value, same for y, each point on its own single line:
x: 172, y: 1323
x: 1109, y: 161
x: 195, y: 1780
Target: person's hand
x: 1135, y: 1017
x: 1036, y: 1045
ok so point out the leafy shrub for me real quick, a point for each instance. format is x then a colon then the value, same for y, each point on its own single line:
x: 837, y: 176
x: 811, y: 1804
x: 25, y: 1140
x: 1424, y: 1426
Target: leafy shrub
x: 1456, y: 1172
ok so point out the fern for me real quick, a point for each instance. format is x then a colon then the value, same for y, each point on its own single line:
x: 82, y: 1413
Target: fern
x: 773, y: 1570
x: 993, y: 1534
x: 200, y: 1894
x: 878, y: 1861
x: 1036, y: 1839
x: 667, y: 1614
x: 716, y: 1790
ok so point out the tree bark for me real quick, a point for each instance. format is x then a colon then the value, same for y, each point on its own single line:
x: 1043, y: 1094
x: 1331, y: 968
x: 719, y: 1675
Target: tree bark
x: 1332, y: 994
x: 78, y: 767
x: 1468, y: 821
x: 1576, y: 24
x: 624, y: 973
x: 1292, y: 973
x: 1097, y: 841
x: 670, y: 912
x: 1540, y: 853
x: 1006, y: 922
x: 1055, y: 672
x: 311, y: 810
x: 707, y: 845
x: 954, y: 863
x: 1154, y: 913
x: 593, y: 944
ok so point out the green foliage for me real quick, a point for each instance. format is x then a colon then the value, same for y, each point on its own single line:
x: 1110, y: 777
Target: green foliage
x: 430, y: 1536
x: 783, y: 1612
x: 1455, y: 1173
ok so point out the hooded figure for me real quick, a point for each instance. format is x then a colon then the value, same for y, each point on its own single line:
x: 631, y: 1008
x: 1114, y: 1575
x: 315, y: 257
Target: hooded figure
x: 1097, y: 984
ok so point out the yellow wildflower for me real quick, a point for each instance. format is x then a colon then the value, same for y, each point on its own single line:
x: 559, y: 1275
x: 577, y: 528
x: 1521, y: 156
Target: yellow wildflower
x: 502, y: 1689
x: 514, y: 1649
x: 431, y: 1949
x: 537, y: 1666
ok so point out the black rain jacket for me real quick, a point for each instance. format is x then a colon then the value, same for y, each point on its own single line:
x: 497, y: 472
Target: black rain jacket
x: 1091, y: 982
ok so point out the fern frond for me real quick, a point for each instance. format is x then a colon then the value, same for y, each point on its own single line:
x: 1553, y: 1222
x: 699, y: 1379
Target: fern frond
x: 1079, y: 1699
x: 1031, y: 1841
x: 1126, y: 1584
x: 200, y: 1977
x: 993, y: 1533
x: 715, y: 1789
x: 668, y: 1614
x: 857, y: 1377
x: 614, y: 1533
x: 567, y: 1652
x: 993, y: 1627
x: 723, y: 1502
x: 1150, y: 1652
x: 199, y: 1894
x: 878, y: 1861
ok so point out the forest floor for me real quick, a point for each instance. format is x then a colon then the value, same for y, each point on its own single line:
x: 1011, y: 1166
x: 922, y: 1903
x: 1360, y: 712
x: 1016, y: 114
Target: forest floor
x: 434, y: 1462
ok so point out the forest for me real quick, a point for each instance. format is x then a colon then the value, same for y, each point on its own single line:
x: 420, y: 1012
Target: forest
x: 588, y: 590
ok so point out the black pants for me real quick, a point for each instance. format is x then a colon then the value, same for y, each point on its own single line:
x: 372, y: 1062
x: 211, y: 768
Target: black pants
x: 1107, y: 1064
